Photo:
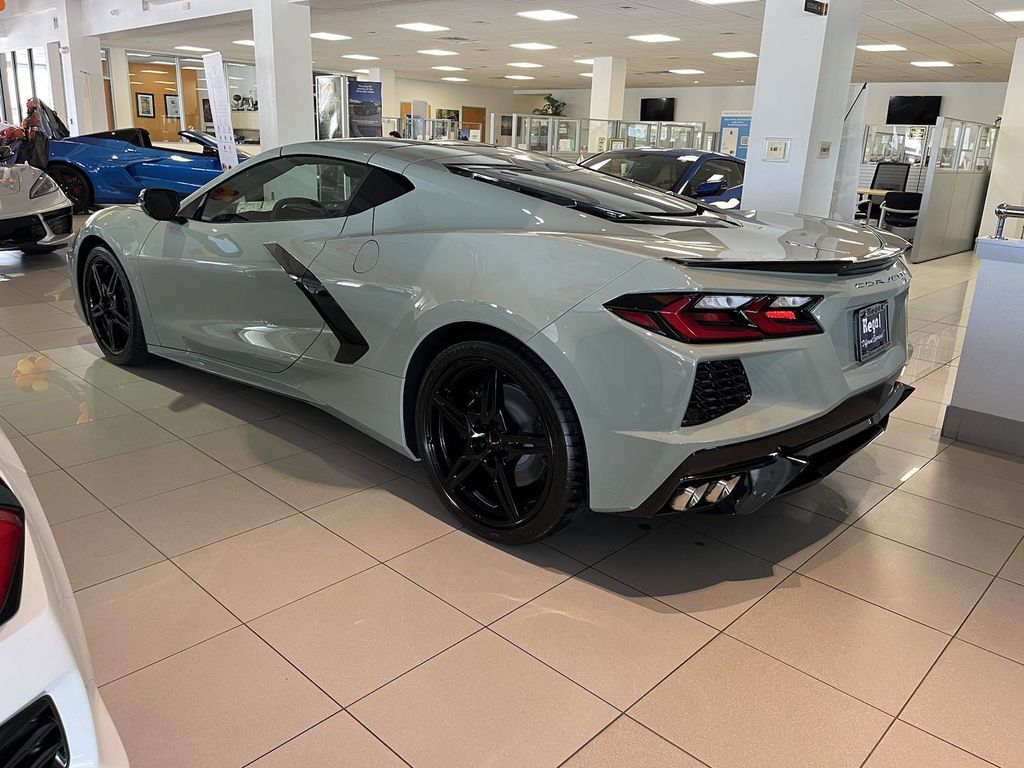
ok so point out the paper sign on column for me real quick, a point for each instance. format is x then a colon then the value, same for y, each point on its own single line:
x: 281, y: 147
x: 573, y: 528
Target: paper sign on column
x: 220, y: 106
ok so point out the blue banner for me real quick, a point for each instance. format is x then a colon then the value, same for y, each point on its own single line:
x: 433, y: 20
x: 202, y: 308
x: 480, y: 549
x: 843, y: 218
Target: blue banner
x: 734, y: 134
x: 364, y: 109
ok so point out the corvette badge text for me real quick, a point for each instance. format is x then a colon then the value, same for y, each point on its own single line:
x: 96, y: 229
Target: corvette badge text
x: 871, y: 283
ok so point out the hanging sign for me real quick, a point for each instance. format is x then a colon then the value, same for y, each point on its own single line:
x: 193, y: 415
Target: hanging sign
x: 220, y: 106
x: 364, y: 108
x: 331, y: 96
x: 817, y: 7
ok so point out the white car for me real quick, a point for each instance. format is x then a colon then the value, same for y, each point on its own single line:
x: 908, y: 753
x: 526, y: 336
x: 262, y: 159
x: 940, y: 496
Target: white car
x: 35, y: 215
x: 51, y: 713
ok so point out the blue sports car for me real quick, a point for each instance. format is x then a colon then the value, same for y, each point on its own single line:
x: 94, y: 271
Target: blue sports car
x: 713, y: 178
x: 115, y: 166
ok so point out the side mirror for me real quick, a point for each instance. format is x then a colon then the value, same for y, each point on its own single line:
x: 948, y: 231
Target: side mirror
x: 709, y: 188
x: 6, y: 153
x: 160, y: 204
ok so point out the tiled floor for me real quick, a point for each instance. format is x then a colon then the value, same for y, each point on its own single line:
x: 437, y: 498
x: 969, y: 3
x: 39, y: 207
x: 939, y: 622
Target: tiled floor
x: 261, y: 585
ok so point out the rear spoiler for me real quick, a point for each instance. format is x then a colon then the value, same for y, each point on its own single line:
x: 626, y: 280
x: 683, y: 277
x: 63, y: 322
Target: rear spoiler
x: 876, y: 261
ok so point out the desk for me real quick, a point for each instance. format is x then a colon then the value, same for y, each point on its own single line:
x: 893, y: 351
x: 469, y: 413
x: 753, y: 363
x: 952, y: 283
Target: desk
x: 870, y: 192
x: 865, y: 194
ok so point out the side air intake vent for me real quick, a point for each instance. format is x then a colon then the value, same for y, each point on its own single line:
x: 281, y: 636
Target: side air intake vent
x: 34, y: 738
x: 719, y: 387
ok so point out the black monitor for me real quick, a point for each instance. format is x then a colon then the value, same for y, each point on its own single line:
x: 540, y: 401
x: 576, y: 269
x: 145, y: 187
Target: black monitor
x: 913, y: 110
x: 661, y: 110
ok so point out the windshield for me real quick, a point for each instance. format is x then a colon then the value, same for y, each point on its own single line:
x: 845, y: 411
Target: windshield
x: 571, y: 185
x: 657, y: 170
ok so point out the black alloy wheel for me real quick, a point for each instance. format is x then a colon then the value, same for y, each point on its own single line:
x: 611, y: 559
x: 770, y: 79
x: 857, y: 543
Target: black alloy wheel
x: 501, y: 442
x: 110, y: 309
x: 74, y: 185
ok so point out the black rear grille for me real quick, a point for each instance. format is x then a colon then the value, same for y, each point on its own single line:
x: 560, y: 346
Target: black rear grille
x: 59, y: 222
x: 23, y: 229
x: 34, y: 738
x: 720, y: 386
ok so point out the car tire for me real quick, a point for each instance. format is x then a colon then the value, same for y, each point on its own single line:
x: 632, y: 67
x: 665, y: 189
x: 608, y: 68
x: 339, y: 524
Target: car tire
x: 111, y: 309
x: 74, y: 184
x: 501, y: 441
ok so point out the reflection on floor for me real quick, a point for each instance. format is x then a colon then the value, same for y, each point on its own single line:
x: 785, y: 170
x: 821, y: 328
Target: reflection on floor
x: 263, y: 586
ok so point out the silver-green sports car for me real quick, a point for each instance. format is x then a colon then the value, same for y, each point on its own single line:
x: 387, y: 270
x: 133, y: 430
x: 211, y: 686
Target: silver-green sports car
x: 544, y: 337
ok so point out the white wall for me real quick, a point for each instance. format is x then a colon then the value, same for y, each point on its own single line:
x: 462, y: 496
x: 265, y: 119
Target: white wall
x: 969, y: 101
x: 457, y: 96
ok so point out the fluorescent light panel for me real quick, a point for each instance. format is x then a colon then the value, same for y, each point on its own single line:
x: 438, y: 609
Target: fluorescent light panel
x: 524, y: 65
x: 140, y: 55
x: 583, y: 61
x: 656, y: 38
x: 518, y: 77
x: 419, y: 26
x: 250, y: 43
x: 881, y: 47
x: 1009, y: 15
x: 929, y: 64
x: 586, y: 74
x: 437, y: 52
x: 456, y: 79
x: 154, y: 71
x: 533, y: 46
x: 361, y: 71
x: 192, y: 48
x: 547, y: 15
x: 329, y: 36
x: 735, y: 55
x: 447, y: 68
x: 687, y: 71
x: 359, y: 57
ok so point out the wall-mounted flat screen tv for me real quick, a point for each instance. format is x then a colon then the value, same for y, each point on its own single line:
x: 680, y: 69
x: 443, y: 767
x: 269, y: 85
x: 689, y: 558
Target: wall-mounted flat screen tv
x: 663, y: 110
x: 913, y: 110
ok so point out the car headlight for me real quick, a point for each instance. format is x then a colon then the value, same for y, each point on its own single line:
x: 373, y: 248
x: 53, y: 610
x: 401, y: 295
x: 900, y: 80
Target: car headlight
x: 44, y: 186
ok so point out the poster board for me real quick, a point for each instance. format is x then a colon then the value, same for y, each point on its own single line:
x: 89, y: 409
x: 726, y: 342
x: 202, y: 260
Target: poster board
x: 331, y: 107
x: 734, y: 133
x: 364, y: 108
x: 220, y: 107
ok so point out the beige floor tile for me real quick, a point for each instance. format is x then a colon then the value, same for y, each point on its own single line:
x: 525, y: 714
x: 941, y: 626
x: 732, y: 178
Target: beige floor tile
x: 911, y: 437
x: 47, y: 340
x: 593, y: 536
x: 249, y: 445
x: 627, y: 743
x: 222, y: 703
x: 389, y: 519
x: 968, y: 489
x: 883, y: 465
x: 950, y: 532
x: 788, y: 719
x: 196, y: 515
x: 585, y: 621
x: 263, y: 569
x: 445, y: 712
x: 840, y: 496
x: 145, y: 616
x: 309, y: 479
x: 997, y: 622
x: 1014, y: 568
x: 339, y: 742
x: 482, y: 579
x: 62, y: 498
x: 905, y: 746
x: 100, y: 547
x: 780, y: 532
x: 910, y: 582
x: 973, y: 699
x: 339, y: 432
x: 79, y: 354
x: 355, y: 636
x: 25, y: 311
x: 937, y: 386
x: 709, y: 580
x: 50, y: 321
x: 861, y: 649
x: 9, y: 345
x: 101, y: 439
x: 198, y: 418
x: 984, y: 460
x: 147, y: 472
x: 52, y: 382
x: 916, y: 368
x: 65, y: 409
x: 921, y: 411
x: 35, y: 461
x: 101, y: 374
x: 142, y: 394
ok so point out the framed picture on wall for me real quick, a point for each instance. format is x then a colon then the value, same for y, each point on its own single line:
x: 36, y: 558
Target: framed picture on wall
x: 207, y: 111
x: 145, y: 105
x: 447, y: 114
x: 172, y: 106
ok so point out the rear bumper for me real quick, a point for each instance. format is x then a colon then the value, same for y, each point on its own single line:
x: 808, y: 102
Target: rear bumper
x: 743, y: 477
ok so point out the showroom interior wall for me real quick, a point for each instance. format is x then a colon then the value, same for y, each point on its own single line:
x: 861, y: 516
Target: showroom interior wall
x: 501, y: 100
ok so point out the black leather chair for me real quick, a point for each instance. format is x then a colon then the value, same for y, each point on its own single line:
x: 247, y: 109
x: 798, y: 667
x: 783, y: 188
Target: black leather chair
x: 889, y: 174
x: 900, y: 210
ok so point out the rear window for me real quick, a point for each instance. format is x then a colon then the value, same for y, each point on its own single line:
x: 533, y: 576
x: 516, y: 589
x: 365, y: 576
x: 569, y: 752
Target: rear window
x: 573, y: 186
x: 657, y: 170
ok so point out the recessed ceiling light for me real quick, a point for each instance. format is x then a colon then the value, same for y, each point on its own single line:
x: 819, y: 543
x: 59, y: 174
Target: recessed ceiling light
x: 165, y: 82
x: 153, y: 71
x: 735, y: 55
x: 200, y: 69
x: 1010, y: 15
x: 163, y: 63
x: 518, y: 77
x: 881, y: 47
x: 437, y: 52
x: 583, y: 61
x: 419, y: 26
x: 525, y: 65
x: 656, y: 38
x: 192, y: 48
x: 361, y: 71
x: 250, y: 43
x: 533, y: 46
x: 586, y: 74
x: 547, y: 15
x: 172, y: 90
x: 140, y: 55
x: 359, y: 57
x: 456, y: 79
x: 447, y: 68
x: 931, y: 64
x: 329, y: 36
x: 687, y: 71
x: 136, y: 82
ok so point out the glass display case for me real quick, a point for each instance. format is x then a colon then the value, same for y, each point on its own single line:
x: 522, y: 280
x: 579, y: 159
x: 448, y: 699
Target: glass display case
x: 896, y: 143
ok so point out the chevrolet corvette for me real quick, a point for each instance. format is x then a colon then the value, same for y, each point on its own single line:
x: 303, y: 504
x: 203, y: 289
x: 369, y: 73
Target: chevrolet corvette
x: 544, y: 337
x: 35, y: 216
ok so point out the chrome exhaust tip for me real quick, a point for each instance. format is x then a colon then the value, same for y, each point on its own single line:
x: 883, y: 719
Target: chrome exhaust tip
x: 705, y: 492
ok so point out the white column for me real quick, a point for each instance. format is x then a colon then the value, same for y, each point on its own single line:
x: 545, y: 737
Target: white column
x: 607, y: 88
x: 1005, y: 184
x: 803, y: 79
x: 83, y: 71
x: 388, y: 90
x: 55, y: 68
x: 284, y: 72
x: 120, y: 88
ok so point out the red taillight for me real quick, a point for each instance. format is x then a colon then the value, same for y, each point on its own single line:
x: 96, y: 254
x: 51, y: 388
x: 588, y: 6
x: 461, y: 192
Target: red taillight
x: 714, y: 318
x: 12, y: 537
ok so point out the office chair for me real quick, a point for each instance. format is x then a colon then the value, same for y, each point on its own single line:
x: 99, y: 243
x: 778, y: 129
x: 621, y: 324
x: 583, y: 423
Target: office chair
x: 900, y: 210
x: 889, y: 174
